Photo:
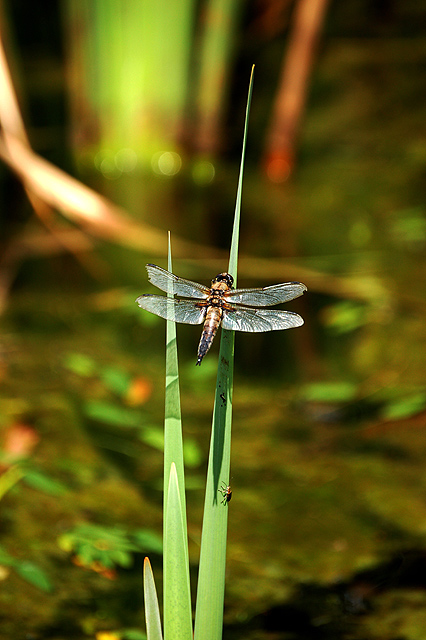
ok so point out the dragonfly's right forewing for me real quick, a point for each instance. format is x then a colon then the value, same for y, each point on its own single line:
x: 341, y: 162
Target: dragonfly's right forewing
x: 267, y: 296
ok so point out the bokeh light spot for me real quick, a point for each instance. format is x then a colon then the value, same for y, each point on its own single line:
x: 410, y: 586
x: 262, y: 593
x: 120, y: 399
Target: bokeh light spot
x: 166, y: 163
x: 203, y: 172
x: 126, y: 160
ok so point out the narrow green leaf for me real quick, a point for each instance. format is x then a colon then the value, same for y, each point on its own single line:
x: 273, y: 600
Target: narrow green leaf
x: 42, y: 482
x: 6, y: 558
x: 112, y: 414
x: 192, y: 453
x: 131, y: 634
x: 177, y: 599
x: 116, y: 379
x: 11, y: 477
x: 152, y: 609
x: 80, y: 364
x: 401, y: 408
x: 233, y: 258
x: 177, y: 595
x: 147, y: 539
x: 119, y: 557
x: 152, y: 436
x: 34, y: 575
x: 173, y: 441
x: 337, y: 391
x: 211, y: 576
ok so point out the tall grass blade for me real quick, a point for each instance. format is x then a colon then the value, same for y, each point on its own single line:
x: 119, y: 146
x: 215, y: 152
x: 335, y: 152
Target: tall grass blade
x: 177, y: 596
x: 211, y: 577
x: 177, y: 599
x: 152, y: 610
x: 233, y: 256
x: 173, y: 440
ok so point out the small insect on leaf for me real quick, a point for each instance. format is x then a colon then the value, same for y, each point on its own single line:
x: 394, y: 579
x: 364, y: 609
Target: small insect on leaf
x: 226, y: 492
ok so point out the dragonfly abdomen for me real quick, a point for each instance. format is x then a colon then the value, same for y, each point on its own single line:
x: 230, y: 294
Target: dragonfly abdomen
x: 211, y: 325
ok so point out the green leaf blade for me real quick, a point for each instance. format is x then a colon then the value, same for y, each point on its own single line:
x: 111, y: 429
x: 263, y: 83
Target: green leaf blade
x: 177, y: 594
x: 152, y: 609
x: 211, y: 577
x: 34, y: 575
x: 173, y: 440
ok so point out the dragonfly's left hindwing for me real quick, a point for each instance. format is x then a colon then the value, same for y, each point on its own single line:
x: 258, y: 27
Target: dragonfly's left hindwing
x: 176, y: 310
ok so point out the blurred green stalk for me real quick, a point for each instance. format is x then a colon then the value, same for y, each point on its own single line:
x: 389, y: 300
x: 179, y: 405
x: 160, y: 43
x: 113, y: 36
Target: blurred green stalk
x: 218, y: 26
x: 128, y: 72
x: 211, y: 579
x: 211, y: 575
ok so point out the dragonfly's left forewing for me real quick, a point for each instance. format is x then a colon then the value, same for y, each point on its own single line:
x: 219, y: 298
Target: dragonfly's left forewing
x: 184, y: 311
x: 259, y: 320
x: 168, y: 282
x: 267, y: 296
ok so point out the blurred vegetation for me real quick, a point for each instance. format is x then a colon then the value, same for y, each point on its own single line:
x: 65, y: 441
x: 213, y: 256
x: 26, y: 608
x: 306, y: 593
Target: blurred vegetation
x: 327, y: 535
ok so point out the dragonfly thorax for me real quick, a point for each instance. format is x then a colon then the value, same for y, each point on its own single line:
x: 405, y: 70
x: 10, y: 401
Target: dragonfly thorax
x: 224, y: 278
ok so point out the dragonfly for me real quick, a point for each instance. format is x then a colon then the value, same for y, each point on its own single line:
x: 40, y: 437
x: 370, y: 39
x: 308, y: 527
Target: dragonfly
x: 220, y: 304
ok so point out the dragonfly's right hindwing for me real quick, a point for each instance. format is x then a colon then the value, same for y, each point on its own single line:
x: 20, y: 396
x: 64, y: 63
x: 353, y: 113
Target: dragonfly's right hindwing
x: 259, y: 320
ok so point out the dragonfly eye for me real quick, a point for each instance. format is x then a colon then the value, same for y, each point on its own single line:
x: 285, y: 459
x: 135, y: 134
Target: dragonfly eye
x: 224, y: 277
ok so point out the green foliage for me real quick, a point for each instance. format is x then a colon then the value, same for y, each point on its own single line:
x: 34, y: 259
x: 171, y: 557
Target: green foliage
x: 404, y: 407
x: 211, y: 579
x: 112, y: 414
x: 114, y: 379
x: 177, y: 593
x: 80, y: 364
x: 131, y: 634
x: 337, y: 391
x: 28, y: 571
x: 152, y: 610
x: 107, y: 547
x: 42, y: 482
x: 32, y: 477
x: 346, y: 316
x: 117, y: 380
x: 408, y: 227
x: 211, y: 576
x: 177, y: 590
x: 31, y: 573
x: 10, y: 477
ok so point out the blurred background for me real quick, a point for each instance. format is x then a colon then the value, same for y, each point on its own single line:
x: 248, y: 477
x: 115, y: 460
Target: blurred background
x: 121, y: 120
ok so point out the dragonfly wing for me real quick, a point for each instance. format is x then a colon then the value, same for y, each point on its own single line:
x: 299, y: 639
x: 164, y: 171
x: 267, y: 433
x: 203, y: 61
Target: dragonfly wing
x: 267, y: 296
x: 184, y: 311
x: 168, y: 282
x: 258, y: 320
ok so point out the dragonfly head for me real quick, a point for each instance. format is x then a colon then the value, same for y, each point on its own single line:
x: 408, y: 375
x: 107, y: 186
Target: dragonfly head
x: 224, y: 277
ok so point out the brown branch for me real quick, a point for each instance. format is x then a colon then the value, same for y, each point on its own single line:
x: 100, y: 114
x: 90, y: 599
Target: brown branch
x: 13, y: 128
x: 291, y: 97
x: 86, y: 208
